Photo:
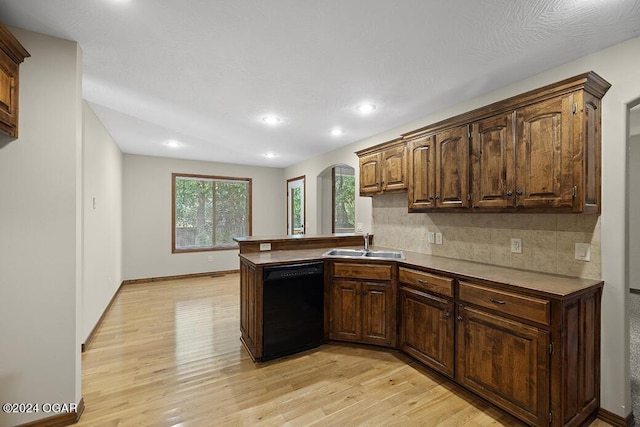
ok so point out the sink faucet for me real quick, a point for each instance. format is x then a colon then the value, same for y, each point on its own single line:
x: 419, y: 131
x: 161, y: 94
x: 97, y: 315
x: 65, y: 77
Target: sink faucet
x: 366, y: 242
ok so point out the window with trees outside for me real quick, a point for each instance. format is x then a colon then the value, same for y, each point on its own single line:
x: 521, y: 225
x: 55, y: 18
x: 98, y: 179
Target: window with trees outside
x: 209, y: 211
x: 344, y: 199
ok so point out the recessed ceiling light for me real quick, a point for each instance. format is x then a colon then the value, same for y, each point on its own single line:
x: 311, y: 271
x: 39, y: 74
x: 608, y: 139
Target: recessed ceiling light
x: 271, y: 119
x: 365, y: 108
x: 173, y: 143
x: 336, y: 132
x: 270, y: 155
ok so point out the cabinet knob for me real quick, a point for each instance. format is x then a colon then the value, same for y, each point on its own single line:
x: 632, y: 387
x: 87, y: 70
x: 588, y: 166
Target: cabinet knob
x: 460, y: 319
x: 447, y: 315
x: 519, y: 192
x: 437, y: 197
x: 430, y: 198
x: 509, y: 193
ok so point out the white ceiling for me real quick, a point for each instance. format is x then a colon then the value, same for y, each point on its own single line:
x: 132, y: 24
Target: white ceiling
x: 205, y: 72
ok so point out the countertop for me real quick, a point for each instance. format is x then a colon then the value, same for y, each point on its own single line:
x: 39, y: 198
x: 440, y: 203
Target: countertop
x: 293, y: 237
x: 551, y: 285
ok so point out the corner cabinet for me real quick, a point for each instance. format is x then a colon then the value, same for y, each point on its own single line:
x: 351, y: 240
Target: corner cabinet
x: 383, y: 168
x: 363, y: 304
x: 12, y: 54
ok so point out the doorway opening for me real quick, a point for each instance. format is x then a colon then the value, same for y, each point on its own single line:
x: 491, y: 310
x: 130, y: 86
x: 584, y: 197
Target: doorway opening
x: 296, y: 195
x: 633, y: 250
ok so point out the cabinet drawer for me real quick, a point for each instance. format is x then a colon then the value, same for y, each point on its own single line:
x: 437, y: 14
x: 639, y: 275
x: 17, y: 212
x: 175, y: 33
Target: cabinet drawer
x: 362, y: 271
x: 428, y: 282
x: 526, y: 307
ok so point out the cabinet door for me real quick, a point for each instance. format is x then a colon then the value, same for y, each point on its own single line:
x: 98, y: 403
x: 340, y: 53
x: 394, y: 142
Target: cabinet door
x: 345, y: 310
x: 544, y: 154
x: 504, y: 361
x: 426, y: 329
x: 492, y: 162
x: 8, y: 94
x: 370, y: 174
x: 249, y: 304
x: 452, y: 167
x: 422, y: 174
x: 587, y: 141
x: 378, y: 314
x: 394, y: 169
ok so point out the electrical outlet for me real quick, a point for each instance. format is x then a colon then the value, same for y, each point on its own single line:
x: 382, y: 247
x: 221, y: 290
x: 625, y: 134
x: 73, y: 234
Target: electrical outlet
x: 265, y: 246
x: 359, y: 227
x: 583, y: 251
x: 210, y: 258
x: 516, y: 245
x: 438, y: 238
x: 431, y: 237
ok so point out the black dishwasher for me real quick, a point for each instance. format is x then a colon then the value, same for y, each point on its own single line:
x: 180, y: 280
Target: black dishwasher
x: 293, y: 308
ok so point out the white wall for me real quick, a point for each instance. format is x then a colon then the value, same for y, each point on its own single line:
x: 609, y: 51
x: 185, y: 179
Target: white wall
x: 102, y: 228
x: 618, y: 65
x: 147, y: 215
x: 40, y: 227
x: 634, y: 207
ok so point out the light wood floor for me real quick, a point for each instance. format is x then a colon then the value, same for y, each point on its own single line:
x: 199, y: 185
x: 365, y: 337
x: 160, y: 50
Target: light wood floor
x: 168, y: 353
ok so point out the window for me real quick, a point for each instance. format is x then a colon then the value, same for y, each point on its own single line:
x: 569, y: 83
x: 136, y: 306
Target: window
x: 209, y: 211
x: 344, y: 199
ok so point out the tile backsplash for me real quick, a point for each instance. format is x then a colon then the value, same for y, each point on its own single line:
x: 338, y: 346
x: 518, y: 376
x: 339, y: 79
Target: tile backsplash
x: 548, y: 240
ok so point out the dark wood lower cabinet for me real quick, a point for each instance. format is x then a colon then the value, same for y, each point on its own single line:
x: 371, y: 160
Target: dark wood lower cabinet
x: 504, y: 361
x: 251, y: 309
x: 363, y: 303
x: 364, y: 312
x: 534, y: 354
x: 426, y: 330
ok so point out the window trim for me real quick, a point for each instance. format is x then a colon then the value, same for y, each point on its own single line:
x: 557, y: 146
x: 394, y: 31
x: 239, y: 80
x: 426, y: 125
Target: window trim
x: 175, y: 175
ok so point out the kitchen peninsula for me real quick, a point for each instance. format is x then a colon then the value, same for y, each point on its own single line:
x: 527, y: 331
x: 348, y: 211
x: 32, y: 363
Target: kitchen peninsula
x: 528, y: 342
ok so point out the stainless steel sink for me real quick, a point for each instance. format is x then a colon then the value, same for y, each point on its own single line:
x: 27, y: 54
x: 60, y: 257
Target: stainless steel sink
x: 361, y: 253
x: 345, y: 252
x: 384, y: 254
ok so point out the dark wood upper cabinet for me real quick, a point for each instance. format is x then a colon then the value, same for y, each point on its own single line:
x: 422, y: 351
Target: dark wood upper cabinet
x: 539, y: 151
x: 422, y: 173
x: 12, y: 54
x: 544, y: 154
x: 492, y: 162
x: 383, y: 168
x: 439, y: 171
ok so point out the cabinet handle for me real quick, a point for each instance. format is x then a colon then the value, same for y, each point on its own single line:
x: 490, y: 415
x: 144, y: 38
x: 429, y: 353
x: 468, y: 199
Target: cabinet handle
x: 509, y: 193
x: 519, y: 192
x: 424, y: 282
x: 357, y: 292
x: 496, y: 301
x: 460, y: 319
x: 447, y: 315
